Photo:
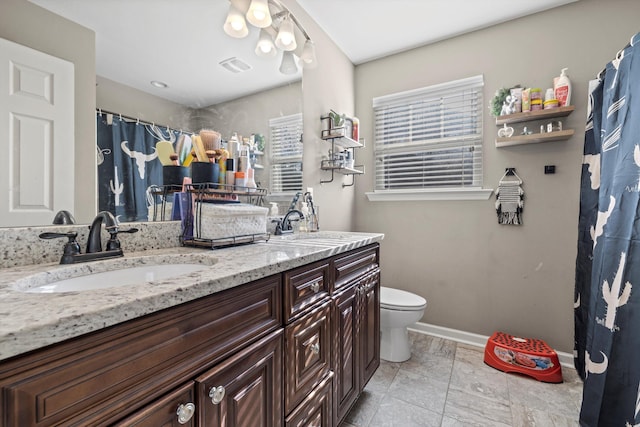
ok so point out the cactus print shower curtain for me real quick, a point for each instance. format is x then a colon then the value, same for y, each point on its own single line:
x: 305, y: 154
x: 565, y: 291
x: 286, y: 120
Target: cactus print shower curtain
x: 607, y: 288
x: 128, y: 165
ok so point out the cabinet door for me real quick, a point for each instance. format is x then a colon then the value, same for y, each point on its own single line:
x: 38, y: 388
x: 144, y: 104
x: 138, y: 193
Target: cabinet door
x: 246, y: 389
x: 346, y: 350
x: 177, y: 409
x: 307, y: 354
x: 316, y: 410
x: 369, y: 327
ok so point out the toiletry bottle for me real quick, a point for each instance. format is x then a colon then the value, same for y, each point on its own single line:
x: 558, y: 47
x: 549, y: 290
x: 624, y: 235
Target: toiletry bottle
x: 356, y: 129
x: 304, y: 221
x: 231, y: 174
x: 241, y: 181
x: 563, y: 89
x: 274, y: 209
x: 251, y: 182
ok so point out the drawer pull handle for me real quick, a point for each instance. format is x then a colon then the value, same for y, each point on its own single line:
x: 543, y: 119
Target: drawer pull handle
x: 315, y: 287
x: 216, y: 394
x: 315, y: 348
x: 185, y: 412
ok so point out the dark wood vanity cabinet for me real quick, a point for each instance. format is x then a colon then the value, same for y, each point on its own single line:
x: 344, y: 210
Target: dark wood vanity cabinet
x: 294, y: 349
x: 356, y: 304
x: 98, y: 379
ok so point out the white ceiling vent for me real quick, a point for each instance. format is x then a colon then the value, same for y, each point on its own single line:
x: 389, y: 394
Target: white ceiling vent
x: 235, y: 65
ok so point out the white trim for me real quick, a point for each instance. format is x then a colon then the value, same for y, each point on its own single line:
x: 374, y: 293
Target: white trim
x: 476, y: 340
x: 430, y: 194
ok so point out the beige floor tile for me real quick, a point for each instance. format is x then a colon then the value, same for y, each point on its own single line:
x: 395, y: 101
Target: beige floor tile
x: 421, y: 391
x: 396, y: 413
x: 447, y: 384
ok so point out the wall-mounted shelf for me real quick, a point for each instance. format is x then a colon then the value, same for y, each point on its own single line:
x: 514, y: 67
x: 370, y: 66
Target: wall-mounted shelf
x: 535, y: 115
x: 534, y: 138
x: 339, y: 142
x: 531, y: 116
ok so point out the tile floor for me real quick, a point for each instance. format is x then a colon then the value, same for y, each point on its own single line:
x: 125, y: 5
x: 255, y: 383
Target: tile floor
x: 447, y: 384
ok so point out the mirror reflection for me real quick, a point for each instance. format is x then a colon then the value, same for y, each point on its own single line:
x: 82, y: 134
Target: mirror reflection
x: 244, y: 115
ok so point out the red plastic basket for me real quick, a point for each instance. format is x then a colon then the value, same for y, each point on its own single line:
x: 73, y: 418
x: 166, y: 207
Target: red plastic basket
x: 525, y: 356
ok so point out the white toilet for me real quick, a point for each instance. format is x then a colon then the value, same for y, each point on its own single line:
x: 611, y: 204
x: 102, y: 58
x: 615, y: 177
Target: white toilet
x: 398, y: 309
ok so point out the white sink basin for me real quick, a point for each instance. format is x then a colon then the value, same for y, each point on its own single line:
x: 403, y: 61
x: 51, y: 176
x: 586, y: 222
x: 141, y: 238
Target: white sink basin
x: 87, y: 277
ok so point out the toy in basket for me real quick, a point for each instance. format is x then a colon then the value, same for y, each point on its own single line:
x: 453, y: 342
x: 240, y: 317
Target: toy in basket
x: 532, y: 357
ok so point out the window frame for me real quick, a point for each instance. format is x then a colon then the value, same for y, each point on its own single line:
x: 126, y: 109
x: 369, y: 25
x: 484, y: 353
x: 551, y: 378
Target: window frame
x: 429, y: 144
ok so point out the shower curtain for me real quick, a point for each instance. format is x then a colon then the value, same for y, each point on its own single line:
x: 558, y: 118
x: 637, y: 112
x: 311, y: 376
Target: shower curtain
x: 128, y: 165
x: 607, y: 287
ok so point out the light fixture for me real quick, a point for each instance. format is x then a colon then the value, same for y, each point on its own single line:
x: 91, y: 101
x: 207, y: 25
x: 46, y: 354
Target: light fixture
x: 235, y: 25
x: 279, y: 31
x: 308, y: 56
x: 159, y: 84
x: 288, y: 65
x: 286, y: 39
x: 259, y: 14
x: 265, y: 46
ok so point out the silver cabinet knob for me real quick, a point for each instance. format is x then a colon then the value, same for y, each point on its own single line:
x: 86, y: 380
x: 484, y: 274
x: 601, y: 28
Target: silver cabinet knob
x: 315, y: 348
x: 185, y: 412
x: 216, y: 394
x: 315, y: 287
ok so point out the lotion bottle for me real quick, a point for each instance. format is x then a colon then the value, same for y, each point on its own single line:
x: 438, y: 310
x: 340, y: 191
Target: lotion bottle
x: 562, y: 89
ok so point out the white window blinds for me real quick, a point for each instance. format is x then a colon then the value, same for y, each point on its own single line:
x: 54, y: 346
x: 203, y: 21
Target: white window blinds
x: 286, y: 154
x: 429, y: 138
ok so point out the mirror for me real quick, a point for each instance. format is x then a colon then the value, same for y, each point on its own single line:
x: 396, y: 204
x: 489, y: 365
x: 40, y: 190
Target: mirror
x: 227, y: 116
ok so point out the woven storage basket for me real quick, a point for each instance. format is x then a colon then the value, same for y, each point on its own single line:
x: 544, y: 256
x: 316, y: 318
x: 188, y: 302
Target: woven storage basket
x: 218, y: 221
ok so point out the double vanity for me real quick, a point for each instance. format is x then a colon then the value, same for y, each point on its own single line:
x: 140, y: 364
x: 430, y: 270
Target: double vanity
x: 278, y: 333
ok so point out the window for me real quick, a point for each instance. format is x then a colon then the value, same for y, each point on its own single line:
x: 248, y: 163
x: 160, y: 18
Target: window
x: 286, y: 154
x: 429, y: 139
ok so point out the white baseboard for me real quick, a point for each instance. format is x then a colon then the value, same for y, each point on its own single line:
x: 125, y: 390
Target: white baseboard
x: 566, y: 359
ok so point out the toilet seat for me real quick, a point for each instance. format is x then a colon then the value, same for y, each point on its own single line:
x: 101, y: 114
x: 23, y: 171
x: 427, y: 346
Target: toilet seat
x: 396, y: 299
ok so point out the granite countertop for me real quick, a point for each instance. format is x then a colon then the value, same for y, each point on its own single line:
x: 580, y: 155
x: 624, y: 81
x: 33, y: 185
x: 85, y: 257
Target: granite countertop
x: 34, y: 320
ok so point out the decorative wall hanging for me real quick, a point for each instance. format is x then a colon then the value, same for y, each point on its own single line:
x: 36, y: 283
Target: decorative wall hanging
x: 510, y: 198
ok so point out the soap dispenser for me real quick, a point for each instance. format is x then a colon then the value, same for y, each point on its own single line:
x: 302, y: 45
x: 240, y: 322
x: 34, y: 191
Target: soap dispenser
x: 273, y: 211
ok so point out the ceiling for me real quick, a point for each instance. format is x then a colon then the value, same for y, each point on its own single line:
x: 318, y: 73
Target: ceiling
x: 181, y: 43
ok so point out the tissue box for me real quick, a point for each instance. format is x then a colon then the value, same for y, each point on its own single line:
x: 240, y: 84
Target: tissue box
x: 219, y: 221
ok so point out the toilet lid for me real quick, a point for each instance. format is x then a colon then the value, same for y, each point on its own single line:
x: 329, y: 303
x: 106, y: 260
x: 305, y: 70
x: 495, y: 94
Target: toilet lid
x: 396, y: 299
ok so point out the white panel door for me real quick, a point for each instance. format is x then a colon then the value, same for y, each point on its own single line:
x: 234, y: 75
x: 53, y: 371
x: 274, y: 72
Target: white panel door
x: 36, y: 135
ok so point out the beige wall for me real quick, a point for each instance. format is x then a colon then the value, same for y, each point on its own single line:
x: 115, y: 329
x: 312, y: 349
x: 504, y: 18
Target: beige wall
x: 118, y: 98
x: 329, y: 86
x: 29, y: 25
x: 479, y: 276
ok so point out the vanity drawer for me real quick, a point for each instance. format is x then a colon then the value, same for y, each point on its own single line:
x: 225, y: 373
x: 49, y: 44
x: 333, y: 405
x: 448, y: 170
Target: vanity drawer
x: 97, y: 378
x: 317, y: 408
x: 164, y: 412
x: 354, y: 264
x: 307, y: 354
x: 304, y: 287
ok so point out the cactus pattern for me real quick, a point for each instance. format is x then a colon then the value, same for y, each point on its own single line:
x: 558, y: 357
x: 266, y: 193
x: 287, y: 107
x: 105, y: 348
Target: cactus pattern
x: 117, y: 187
x: 612, y: 296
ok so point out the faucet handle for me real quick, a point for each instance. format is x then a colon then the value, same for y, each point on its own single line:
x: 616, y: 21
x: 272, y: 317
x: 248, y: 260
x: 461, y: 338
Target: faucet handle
x: 71, y: 248
x: 71, y: 235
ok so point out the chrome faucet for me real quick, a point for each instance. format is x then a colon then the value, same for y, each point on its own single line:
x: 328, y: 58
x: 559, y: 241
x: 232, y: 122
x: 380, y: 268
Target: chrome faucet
x: 284, y: 226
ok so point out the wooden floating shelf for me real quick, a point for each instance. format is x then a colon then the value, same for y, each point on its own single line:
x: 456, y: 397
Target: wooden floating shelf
x: 535, y: 115
x: 534, y: 138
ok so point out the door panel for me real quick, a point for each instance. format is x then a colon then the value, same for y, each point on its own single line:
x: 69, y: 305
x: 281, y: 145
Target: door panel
x: 36, y: 135
x: 246, y: 389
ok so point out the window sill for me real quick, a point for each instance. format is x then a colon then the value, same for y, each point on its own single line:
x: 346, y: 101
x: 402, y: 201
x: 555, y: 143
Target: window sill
x: 431, y: 194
